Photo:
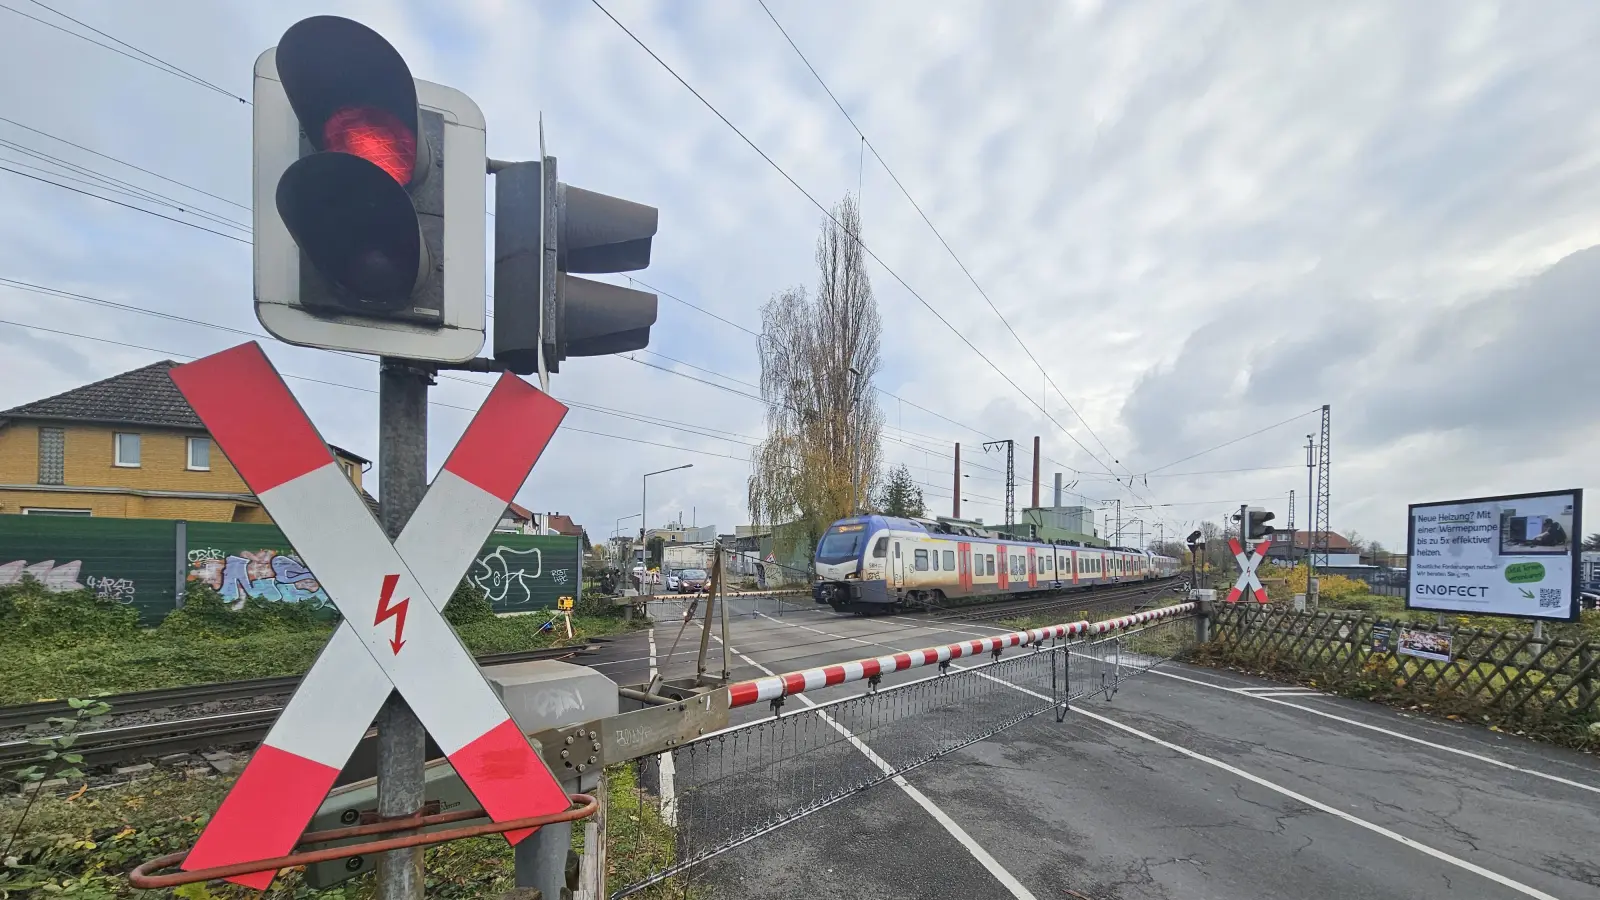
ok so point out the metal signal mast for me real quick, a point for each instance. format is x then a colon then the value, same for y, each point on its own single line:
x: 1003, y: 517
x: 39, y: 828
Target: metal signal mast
x: 1319, y: 531
x: 1011, y: 477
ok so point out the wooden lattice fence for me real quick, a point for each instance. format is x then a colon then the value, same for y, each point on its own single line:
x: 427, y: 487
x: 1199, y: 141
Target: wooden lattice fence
x: 1551, y: 679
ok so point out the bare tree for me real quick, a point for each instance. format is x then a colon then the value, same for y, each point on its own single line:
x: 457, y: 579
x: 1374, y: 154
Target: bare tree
x: 819, y: 356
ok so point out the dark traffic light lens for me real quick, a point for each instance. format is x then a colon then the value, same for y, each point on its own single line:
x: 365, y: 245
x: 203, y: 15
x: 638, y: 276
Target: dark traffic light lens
x: 357, y: 227
x: 377, y: 136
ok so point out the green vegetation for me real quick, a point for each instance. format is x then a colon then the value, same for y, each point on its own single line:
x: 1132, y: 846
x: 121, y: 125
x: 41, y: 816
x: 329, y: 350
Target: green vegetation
x: 80, y: 845
x: 1587, y: 626
x: 75, y: 644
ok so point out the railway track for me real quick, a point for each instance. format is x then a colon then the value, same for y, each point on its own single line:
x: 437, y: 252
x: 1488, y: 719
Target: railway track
x: 1069, y: 600
x: 128, y: 743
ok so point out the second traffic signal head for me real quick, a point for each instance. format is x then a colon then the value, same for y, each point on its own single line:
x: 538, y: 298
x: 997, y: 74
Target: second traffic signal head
x: 351, y: 155
x: 544, y: 231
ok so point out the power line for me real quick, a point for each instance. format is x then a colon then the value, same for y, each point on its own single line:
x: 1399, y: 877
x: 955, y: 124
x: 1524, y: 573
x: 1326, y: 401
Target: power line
x: 1236, y: 440
x: 352, y: 387
x: 145, y: 58
x: 855, y: 238
x: 936, y: 233
x: 221, y: 220
x: 116, y: 186
x: 147, y: 212
x: 697, y: 430
x: 122, y: 162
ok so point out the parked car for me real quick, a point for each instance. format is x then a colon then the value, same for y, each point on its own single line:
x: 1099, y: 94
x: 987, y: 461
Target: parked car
x: 672, y: 581
x: 692, y: 581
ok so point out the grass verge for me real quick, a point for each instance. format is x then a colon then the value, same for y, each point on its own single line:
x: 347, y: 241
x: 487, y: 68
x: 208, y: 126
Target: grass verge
x: 82, y: 847
x: 70, y: 645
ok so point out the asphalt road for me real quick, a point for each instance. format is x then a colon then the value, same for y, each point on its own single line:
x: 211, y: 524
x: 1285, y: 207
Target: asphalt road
x: 1190, y: 783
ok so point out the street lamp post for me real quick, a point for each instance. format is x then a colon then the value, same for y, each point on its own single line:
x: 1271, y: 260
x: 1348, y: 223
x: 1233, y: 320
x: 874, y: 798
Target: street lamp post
x: 617, y: 531
x: 644, y: 521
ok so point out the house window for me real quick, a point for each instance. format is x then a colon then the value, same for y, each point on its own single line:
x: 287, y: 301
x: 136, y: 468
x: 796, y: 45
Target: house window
x: 921, y: 561
x: 127, y: 450
x: 52, y: 456
x: 949, y: 560
x: 42, y: 511
x: 199, y: 454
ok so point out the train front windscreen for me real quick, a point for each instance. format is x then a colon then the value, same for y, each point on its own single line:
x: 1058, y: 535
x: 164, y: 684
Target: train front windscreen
x: 842, y: 543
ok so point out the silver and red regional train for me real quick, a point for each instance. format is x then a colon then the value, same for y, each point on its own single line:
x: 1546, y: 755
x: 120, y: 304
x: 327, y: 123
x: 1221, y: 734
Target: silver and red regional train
x: 879, y: 563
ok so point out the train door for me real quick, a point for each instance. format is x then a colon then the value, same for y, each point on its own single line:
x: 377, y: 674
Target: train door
x: 897, y: 567
x: 1003, y: 569
x: 964, y: 566
x: 1072, y: 562
x: 1033, y: 572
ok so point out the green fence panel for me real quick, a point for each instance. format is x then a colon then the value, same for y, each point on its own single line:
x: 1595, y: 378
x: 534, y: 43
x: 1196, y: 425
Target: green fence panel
x: 241, y: 561
x: 522, y: 572
x: 132, y: 561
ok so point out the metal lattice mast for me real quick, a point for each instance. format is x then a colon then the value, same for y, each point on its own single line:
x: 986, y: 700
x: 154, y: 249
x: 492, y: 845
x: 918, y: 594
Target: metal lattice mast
x: 1011, y: 477
x: 1319, y: 533
x: 1290, y: 524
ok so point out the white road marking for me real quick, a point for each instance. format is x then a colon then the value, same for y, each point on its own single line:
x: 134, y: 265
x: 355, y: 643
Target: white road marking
x: 1373, y: 827
x: 983, y: 857
x: 669, y: 769
x: 1390, y: 732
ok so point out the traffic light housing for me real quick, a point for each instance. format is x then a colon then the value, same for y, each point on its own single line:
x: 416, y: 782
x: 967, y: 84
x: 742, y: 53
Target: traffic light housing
x: 545, y: 232
x: 1257, y: 526
x: 368, y: 199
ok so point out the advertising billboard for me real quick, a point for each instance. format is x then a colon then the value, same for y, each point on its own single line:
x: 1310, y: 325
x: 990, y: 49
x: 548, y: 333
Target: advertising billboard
x: 1498, y: 556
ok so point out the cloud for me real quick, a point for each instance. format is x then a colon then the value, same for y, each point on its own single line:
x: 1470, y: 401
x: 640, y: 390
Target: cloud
x: 1202, y: 218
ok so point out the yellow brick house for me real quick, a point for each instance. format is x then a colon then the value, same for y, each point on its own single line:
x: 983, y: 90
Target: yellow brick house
x: 125, y: 447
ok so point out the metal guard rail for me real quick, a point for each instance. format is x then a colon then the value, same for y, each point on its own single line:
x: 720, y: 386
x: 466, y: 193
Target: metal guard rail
x: 776, y: 687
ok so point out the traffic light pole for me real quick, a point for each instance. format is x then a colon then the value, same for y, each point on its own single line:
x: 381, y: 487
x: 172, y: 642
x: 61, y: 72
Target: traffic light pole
x: 402, y: 740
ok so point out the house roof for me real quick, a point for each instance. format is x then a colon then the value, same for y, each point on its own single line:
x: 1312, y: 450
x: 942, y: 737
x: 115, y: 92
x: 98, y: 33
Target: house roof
x: 518, y: 511
x: 144, y: 396
x: 563, y: 524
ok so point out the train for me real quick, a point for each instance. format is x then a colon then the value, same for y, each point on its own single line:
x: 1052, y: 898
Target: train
x: 881, y: 563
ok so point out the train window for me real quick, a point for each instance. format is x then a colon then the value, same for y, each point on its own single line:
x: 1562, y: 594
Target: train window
x: 935, y: 559
x: 950, y: 559
x: 881, y: 549
x: 921, y: 561
x: 989, y: 562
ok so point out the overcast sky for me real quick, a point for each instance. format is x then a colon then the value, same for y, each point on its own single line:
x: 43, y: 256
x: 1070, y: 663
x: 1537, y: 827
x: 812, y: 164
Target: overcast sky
x: 1202, y: 218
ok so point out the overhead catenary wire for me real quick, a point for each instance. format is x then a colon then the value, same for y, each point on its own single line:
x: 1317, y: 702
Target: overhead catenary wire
x: 853, y: 237
x: 143, y: 57
x: 867, y: 144
x: 176, y: 204
x: 352, y: 387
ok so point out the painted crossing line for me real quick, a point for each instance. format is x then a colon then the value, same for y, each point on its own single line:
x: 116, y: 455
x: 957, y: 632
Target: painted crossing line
x: 392, y: 636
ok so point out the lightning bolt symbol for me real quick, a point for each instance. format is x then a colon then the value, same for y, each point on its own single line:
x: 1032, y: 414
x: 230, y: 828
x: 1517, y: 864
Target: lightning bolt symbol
x: 397, y: 612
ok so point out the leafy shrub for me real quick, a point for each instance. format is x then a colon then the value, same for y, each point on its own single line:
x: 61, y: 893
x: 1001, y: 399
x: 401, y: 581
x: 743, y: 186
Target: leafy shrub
x: 204, y: 611
x: 468, y: 604
x: 30, y: 612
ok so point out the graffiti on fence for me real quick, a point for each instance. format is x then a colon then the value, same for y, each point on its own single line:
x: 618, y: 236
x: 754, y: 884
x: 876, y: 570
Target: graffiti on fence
x: 263, y: 574
x: 505, y: 578
x: 56, y: 579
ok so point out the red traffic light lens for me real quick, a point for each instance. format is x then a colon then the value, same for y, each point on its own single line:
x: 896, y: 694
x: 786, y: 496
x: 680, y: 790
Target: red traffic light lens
x: 377, y: 136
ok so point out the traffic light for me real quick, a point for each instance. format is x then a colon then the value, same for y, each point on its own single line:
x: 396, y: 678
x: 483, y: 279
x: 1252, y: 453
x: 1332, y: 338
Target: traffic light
x: 544, y: 232
x: 367, y: 182
x: 1257, y: 526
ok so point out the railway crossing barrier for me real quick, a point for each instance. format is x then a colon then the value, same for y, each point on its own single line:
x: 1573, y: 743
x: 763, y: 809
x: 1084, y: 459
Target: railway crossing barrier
x: 741, y: 762
x: 392, y: 636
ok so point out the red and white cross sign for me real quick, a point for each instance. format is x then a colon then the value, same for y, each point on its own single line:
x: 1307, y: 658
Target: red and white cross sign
x: 1247, y: 570
x: 392, y: 636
